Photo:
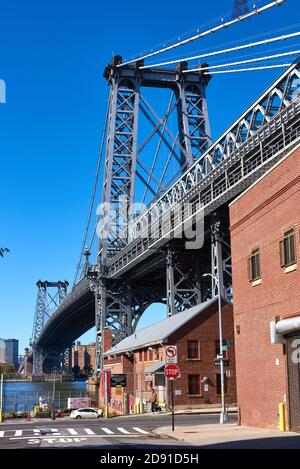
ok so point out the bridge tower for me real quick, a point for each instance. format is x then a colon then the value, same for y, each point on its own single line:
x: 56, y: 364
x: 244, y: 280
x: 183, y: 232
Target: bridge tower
x: 240, y: 8
x: 125, y: 166
x: 49, y: 296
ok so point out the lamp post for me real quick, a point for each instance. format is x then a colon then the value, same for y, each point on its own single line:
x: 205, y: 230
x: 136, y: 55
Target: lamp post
x: 1, y: 398
x: 224, y: 414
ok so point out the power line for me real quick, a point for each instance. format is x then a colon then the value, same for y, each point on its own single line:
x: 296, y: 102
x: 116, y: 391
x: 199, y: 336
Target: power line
x: 225, y: 51
x: 206, y: 33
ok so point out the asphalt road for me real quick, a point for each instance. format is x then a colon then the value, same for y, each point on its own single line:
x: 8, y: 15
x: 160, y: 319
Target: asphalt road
x: 130, y: 432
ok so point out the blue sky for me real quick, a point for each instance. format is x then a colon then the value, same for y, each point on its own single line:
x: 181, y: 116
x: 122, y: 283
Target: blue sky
x: 52, y: 56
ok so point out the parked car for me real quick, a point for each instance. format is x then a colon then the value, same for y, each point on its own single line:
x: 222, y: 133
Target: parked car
x: 86, y: 413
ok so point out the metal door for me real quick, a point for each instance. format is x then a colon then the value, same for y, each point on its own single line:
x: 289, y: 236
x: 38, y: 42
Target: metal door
x: 293, y: 360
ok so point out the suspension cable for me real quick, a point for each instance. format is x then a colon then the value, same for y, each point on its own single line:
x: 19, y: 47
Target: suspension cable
x: 242, y: 62
x: 225, y: 51
x: 267, y: 67
x: 227, y: 24
x: 92, y: 201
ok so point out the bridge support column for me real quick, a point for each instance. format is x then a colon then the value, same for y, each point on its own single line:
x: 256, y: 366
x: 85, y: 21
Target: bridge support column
x: 194, y: 127
x: 171, y: 310
x: 220, y: 264
x: 67, y: 360
x: 114, y: 310
x: 182, y: 281
x: 37, y: 360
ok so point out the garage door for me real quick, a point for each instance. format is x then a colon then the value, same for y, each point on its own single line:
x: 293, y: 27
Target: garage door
x: 293, y: 353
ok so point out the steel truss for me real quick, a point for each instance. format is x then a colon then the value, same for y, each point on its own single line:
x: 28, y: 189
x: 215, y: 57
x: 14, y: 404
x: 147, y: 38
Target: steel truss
x: 49, y: 297
x: 183, y: 282
x: 240, y: 156
x: 115, y: 306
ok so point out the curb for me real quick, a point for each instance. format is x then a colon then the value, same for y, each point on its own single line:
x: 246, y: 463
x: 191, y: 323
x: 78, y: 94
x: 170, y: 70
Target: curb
x: 165, y: 435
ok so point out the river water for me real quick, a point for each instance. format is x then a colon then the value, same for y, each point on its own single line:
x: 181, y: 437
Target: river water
x: 22, y: 396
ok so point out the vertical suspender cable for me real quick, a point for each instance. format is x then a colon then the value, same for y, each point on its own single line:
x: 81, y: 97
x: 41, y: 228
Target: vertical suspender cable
x: 92, y: 201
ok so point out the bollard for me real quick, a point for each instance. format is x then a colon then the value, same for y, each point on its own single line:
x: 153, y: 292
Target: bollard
x: 1, y: 416
x: 282, y: 417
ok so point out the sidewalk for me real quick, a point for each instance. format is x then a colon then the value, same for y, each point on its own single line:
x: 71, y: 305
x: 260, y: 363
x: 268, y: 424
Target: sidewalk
x: 231, y: 436
x: 203, y: 411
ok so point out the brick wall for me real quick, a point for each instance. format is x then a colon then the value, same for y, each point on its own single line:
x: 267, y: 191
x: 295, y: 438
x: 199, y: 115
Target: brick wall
x: 205, y: 329
x: 258, y: 219
x: 83, y: 355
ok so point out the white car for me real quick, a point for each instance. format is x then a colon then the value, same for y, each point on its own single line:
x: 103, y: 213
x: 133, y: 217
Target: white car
x: 86, y: 413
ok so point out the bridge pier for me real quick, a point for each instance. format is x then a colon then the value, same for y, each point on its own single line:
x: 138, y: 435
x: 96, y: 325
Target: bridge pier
x: 113, y: 309
x: 183, y: 281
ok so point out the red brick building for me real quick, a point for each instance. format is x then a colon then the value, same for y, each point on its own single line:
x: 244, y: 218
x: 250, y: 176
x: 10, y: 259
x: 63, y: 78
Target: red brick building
x: 83, y: 355
x: 141, y: 357
x: 265, y: 243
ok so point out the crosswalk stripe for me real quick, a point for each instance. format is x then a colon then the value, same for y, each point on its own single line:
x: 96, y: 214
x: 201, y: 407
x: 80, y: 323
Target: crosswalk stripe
x: 72, y: 431
x: 55, y: 431
x: 18, y: 433
x: 107, y: 430
x: 89, y: 431
x: 122, y: 430
x: 1, y: 433
x: 140, y: 430
x: 36, y: 431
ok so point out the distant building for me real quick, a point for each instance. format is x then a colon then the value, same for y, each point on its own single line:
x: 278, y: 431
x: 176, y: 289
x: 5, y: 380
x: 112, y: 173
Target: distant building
x: 9, y: 352
x: 2, y: 351
x: 83, y: 355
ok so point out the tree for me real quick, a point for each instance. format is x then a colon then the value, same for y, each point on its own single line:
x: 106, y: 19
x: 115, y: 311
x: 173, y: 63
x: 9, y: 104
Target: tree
x: 6, y: 368
x: 76, y: 370
x: 88, y: 370
x: 3, y: 251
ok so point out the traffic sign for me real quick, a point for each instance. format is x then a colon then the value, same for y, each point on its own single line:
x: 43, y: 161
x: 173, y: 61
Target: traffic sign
x: 172, y: 371
x: 217, y: 362
x: 171, y: 354
x: 229, y: 343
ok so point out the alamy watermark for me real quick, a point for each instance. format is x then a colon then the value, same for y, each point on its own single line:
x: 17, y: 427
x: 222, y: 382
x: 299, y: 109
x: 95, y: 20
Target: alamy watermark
x: 296, y: 352
x: 127, y: 223
x: 2, y: 92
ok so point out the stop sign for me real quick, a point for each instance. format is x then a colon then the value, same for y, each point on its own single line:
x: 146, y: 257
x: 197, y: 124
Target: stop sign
x: 172, y: 371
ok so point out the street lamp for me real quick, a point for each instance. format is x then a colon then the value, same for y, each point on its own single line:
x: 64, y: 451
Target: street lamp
x: 224, y: 414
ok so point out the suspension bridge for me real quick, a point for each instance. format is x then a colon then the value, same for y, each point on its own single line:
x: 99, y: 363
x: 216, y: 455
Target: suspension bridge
x: 163, y: 222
